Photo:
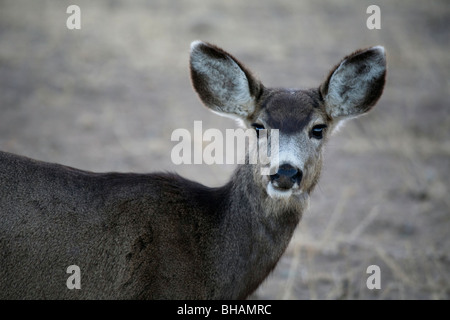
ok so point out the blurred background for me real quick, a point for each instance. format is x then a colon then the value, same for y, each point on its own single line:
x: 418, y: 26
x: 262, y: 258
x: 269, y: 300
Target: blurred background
x: 107, y: 98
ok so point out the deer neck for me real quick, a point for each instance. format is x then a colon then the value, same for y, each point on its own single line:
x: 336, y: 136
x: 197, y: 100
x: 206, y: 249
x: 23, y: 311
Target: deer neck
x: 255, y: 231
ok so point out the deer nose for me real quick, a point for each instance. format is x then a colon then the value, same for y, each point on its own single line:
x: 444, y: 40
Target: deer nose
x: 286, y: 177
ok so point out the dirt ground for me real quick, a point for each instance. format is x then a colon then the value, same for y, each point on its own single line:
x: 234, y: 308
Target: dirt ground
x: 107, y: 98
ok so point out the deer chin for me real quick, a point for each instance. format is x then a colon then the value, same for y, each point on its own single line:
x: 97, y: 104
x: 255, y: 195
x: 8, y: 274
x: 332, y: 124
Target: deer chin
x: 284, y: 194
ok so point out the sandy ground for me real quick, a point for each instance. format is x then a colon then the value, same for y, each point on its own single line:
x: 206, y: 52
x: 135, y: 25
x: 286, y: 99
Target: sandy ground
x: 107, y: 98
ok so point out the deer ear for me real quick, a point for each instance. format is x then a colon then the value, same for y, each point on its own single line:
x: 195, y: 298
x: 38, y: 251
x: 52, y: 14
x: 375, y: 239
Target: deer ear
x: 355, y: 85
x: 223, y: 84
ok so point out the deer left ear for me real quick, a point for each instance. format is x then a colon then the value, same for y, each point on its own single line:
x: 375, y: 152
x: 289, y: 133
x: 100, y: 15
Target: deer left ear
x: 354, y: 86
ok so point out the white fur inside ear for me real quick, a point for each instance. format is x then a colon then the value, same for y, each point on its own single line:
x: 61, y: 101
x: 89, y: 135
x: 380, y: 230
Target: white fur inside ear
x: 195, y: 44
x: 239, y: 121
x: 226, y: 82
x: 380, y: 49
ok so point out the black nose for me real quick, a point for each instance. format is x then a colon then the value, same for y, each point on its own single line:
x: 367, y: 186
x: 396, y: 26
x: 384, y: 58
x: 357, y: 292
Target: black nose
x: 286, y: 177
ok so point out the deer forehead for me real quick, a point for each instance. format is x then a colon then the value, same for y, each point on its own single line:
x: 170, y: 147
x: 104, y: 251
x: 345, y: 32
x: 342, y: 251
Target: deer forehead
x: 291, y: 111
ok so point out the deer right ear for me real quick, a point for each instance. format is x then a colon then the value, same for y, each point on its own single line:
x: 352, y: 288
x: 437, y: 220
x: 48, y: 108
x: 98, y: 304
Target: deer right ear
x: 223, y: 84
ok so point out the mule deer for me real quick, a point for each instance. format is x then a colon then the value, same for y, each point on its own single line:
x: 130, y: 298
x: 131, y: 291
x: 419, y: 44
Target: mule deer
x: 160, y: 236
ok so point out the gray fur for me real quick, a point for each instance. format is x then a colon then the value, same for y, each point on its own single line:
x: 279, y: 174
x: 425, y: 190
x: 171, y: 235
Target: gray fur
x: 353, y: 87
x: 160, y: 236
x: 225, y: 83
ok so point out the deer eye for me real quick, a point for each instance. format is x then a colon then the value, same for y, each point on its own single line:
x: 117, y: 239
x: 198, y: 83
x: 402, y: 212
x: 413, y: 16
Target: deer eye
x: 257, y: 127
x: 317, y: 131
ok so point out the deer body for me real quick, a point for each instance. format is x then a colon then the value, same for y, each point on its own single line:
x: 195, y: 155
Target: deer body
x: 117, y: 229
x: 160, y: 236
